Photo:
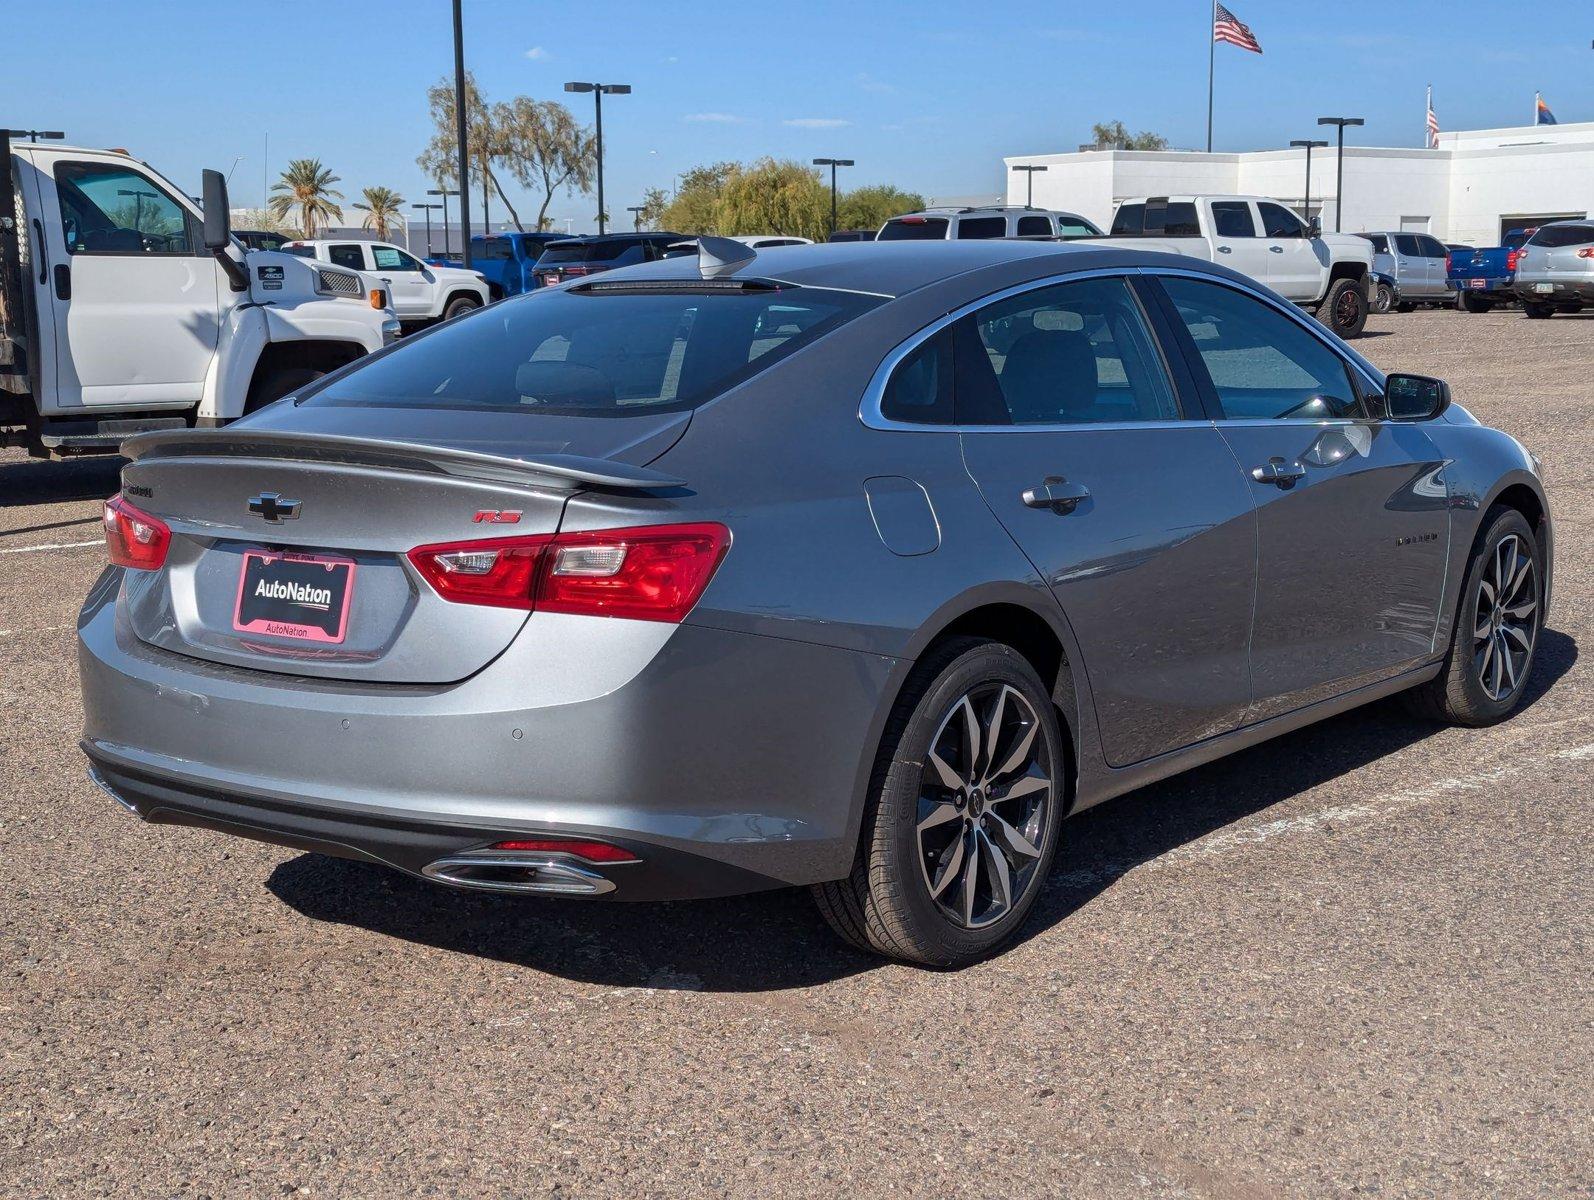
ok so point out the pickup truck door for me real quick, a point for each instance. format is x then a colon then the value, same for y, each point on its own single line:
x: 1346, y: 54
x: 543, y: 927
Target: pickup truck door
x: 1411, y: 266
x: 409, y: 282
x: 1234, y: 240
x: 1295, y: 271
x: 1435, y: 254
x: 130, y: 296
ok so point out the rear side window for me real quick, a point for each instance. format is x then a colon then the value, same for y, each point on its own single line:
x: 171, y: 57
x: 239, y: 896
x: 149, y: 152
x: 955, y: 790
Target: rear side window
x: 1070, y: 227
x: 347, y: 256
x: 1232, y: 219
x: 1075, y: 353
x: 604, y: 353
x: 920, y: 389
x: 1129, y: 219
x: 1028, y: 226
x: 1552, y: 236
x: 1379, y: 241
x: 495, y: 250
x: 975, y: 228
x: 913, y: 229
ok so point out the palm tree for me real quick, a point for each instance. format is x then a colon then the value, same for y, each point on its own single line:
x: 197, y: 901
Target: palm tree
x: 307, y: 186
x: 383, y: 209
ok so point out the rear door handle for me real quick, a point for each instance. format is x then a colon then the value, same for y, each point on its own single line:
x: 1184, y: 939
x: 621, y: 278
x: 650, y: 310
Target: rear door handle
x: 1281, y: 472
x: 1276, y: 249
x: 1057, y: 494
x: 63, y: 281
x: 1225, y: 249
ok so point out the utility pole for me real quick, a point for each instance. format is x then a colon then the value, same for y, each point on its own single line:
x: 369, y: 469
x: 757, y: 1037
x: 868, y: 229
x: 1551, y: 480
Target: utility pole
x: 1339, y: 166
x: 460, y: 134
x: 598, y: 91
x: 833, y: 163
x: 1308, y: 145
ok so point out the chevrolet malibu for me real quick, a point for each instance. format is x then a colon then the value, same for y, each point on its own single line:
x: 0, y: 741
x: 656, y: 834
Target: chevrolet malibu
x: 858, y: 567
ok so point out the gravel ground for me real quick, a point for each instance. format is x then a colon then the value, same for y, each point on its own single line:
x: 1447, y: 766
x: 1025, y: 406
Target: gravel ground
x: 1355, y: 960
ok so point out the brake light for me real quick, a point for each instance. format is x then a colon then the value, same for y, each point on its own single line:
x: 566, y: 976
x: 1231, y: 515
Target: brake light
x: 1586, y: 252
x: 911, y: 221
x: 133, y: 538
x: 1511, y: 259
x: 598, y: 852
x: 651, y: 573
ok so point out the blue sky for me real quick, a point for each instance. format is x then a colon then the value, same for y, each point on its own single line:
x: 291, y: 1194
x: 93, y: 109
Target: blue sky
x: 928, y: 95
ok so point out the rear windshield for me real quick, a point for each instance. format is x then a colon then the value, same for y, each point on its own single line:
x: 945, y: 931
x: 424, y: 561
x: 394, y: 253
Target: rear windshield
x: 1563, y: 235
x: 299, y: 251
x: 603, y: 353
x: 913, y: 229
x: 598, y: 250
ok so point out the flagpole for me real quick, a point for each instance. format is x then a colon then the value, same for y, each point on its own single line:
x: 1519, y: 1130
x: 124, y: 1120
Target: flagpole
x: 1535, y: 110
x: 1427, y: 133
x: 1212, y: 45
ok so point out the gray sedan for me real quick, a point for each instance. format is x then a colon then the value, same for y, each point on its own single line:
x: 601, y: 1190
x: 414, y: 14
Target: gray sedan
x: 857, y: 566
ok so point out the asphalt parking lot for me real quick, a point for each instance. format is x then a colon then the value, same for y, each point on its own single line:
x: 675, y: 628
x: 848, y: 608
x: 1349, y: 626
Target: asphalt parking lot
x: 1356, y: 960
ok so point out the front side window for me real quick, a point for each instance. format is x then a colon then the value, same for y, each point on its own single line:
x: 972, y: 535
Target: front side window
x: 1262, y: 364
x: 111, y: 209
x: 609, y: 353
x: 1406, y: 243
x: 982, y: 227
x: 1232, y: 219
x: 391, y: 258
x: 1074, y: 353
x: 1280, y: 222
x: 347, y: 256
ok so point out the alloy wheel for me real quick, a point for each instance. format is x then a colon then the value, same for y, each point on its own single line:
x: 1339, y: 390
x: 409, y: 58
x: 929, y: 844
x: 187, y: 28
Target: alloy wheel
x: 1507, y: 618
x: 985, y: 803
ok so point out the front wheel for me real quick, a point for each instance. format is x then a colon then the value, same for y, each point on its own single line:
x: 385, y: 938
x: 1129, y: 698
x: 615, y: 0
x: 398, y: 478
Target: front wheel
x: 459, y: 306
x: 1495, y: 631
x: 1344, y: 309
x: 964, y: 812
x: 1383, y: 298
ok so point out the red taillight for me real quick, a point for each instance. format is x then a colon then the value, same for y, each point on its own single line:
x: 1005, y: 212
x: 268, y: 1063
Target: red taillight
x: 599, y: 852
x: 133, y: 538
x: 1586, y: 252
x: 654, y: 573
x: 1511, y: 259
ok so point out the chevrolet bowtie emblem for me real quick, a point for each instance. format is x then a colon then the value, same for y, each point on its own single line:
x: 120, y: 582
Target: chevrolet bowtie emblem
x: 273, y: 507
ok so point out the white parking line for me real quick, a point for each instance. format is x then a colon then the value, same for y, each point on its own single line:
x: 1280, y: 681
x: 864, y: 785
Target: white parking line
x: 53, y: 546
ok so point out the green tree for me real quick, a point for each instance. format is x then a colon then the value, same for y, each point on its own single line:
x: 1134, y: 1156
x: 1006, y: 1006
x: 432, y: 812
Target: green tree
x: 307, y: 186
x: 692, y: 208
x: 544, y: 147
x: 383, y: 209
x: 871, y: 207
x: 1114, y: 134
x: 774, y: 196
x: 655, y: 203
x: 440, y: 159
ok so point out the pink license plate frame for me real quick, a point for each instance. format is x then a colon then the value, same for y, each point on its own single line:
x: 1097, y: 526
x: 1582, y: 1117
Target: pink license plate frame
x: 287, y: 628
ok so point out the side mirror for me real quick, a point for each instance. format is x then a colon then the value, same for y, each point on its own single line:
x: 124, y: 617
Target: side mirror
x: 218, y: 223
x: 1415, y: 397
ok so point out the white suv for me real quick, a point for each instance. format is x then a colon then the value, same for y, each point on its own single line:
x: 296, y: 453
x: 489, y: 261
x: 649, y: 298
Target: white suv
x: 419, y: 292
x: 989, y: 221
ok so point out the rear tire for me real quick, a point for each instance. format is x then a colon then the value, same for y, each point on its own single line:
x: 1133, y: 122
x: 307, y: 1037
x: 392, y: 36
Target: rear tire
x: 1537, y: 310
x: 1483, y: 678
x: 460, y: 305
x: 1475, y: 304
x: 1383, y: 298
x: 1344, y: 308
x: 944, y: 876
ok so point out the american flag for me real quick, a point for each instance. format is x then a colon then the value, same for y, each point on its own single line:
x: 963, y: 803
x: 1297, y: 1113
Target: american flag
x: 1226, y: 27
x: 1433, y: 124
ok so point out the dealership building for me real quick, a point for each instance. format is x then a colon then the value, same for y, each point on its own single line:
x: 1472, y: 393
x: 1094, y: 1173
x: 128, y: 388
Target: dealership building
x: 1476, y: 185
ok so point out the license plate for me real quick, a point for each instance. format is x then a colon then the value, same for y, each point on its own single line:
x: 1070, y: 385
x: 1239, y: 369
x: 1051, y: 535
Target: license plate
x: 300, y: 596
x: 1543, y: 287
x: 1475, y: 283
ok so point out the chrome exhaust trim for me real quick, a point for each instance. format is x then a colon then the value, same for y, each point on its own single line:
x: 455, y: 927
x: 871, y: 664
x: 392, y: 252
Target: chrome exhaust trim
x: 98, y: 781
x: 512, y: 871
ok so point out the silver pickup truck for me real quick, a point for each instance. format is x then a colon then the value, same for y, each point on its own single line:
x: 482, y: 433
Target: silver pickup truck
x: 1330, y: 274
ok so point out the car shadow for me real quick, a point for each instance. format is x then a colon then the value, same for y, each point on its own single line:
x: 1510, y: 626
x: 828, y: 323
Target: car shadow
x: 51, y: 481
x: 776, y: 940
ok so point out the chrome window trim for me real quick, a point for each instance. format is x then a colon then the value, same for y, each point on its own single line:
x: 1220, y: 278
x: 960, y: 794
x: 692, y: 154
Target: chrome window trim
x: 870, y: 408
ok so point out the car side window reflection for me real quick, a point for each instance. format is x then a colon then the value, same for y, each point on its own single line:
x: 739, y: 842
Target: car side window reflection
x: 1262, y: 364
x: 1075, y: 353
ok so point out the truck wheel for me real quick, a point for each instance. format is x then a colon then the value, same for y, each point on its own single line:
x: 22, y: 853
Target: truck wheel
x: 460, y: 305
x: 274, y: 385
x: 1475, y: 304
x: 1538, y: 310
x: 1383, y: 298
x: 1344, y: 309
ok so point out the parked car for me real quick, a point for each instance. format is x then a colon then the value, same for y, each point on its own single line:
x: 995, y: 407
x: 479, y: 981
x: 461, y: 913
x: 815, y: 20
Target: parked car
x: 577, y: 257
x: 682, y: 581
x: 1329, y: 274
x: 1555, y: 271
x: 261, y: 239
x: 422, y: 293
x: 508, y: 261
x: 1484, y: 277
x: 1386, y: 292
x: 852, y: 235
x: 986, y: 221
x: 120, y: 315
x: 1415, y: 264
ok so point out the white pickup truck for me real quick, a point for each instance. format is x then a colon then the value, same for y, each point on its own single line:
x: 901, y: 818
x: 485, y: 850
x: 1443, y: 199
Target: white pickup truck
x: 1330, y: 274
x: 124, y: 308
x: 421, y: 293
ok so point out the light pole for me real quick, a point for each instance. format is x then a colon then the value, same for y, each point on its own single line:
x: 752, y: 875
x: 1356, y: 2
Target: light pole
x: 1339, y: 164
x: 460, y: 138
x: 445, y: 193
x: 1029, y: 181
x: 599, y: 90
x: 1308, y: 145
x: 636, y: 211
x: 428, y: 209
x: 833, y: 163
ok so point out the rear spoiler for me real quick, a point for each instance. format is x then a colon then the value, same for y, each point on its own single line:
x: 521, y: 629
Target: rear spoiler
x: 567, y: 472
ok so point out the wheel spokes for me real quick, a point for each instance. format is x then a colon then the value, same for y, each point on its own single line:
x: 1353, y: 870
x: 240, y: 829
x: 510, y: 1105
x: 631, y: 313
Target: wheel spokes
x: 1012, y: 840
x: 950, y: 866
x: 943, y: 812
x: 1001, y: 876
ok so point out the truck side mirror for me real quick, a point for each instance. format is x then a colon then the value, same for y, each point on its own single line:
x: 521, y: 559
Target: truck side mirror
x: 218, y: 221
x: 1314, y: 227
x: 1415, y: 397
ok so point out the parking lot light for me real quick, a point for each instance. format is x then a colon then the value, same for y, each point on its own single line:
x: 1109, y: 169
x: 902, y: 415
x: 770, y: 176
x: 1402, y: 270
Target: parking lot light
x: 599, y: 90
x: 1308, y: 145
x: 1029, y: 181
x: 428, y: 208
x: 1339, y: 165
x: 445, y: 193
x: 833, y: 163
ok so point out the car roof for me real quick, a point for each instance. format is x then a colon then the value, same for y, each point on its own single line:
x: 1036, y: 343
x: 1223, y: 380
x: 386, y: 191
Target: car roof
x: 628, y: 236
x: 897, y: 268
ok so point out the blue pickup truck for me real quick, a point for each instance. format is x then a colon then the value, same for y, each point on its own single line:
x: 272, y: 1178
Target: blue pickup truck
x: 1482, y: 278
x: 507, y: 259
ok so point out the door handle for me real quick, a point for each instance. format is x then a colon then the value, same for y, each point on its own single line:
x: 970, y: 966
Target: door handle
x: 1057, y: 494
x: 63, y: 281
x: 1276, y: 249
x: 1225, y: 249
x: 1280, y: 472
x: 38, y: 229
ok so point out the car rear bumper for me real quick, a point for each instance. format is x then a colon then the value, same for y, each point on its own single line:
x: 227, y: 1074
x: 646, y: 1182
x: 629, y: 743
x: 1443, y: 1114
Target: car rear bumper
x: 727, y: 762
x: 1564, y: 289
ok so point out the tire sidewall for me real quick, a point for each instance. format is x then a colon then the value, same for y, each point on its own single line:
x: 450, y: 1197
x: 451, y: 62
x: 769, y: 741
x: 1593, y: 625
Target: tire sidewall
x: 900, y: 793
x: 1330, y: 308
x: 1464, y: 679
x: 459, y: 306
